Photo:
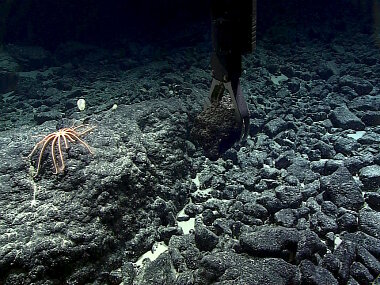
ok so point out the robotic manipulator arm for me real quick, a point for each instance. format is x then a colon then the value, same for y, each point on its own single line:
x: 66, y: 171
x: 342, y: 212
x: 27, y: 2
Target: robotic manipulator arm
x: 233, y: 34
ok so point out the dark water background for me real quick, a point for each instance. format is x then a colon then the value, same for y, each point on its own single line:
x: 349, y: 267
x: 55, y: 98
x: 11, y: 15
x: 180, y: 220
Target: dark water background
x: 49, y: 23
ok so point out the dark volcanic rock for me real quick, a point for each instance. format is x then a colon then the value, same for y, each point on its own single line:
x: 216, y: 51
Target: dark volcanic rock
x: 159, y: 270
x: 287, y: 70
x: 290, y: 196
x: 30, y: 57
x: 323, y: 224
x: 352, y: 281
x: 341, y: 188
x: 216, y: 130
x: 308, y: 245
x: 7, y: 62
x: 183, y: 278
x: 232, y: 268
x: 310, y: 190
x: 343, y: 118
x: 294, y: 85
x: 192, y: 209
x: 8, y: 81
x: 332, y: 165
x: 370, y: 177
x: 285, y: 218
x: 275, y: 126
x: 366, y: 103
x: 270, y: 202
x: 331, y: 263
x: 369, y: 222
x: 284, y: 160
x: 316, y: 275
x: 361, y: 273
x: 368, y: 260
x: 223, y: 226
x: 78, y: 218
x: 370, y: 138
x: 329, y: 208
x: 269, y: 173
x: 346, y: 145
x: 346, y: 253
x: 300, y: 168
x: 327, y: 150
x: 373, y: 200
x: 185, y: 254
x: 42, y: 117
x: 355, y: 163
x: 347, y: 222
x: 361, y: 86
x: 326, y: 69
x: 204, y: 238
x: 270, y: 241
x: 255, y: 210
x: 368, y: 242
x: 371, y: 118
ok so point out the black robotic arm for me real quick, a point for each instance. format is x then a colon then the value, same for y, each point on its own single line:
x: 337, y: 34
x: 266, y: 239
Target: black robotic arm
x: 233, y: 34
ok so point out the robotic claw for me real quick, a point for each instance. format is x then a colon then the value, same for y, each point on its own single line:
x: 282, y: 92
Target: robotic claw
x: 233, y: 34
x: 218, y: 127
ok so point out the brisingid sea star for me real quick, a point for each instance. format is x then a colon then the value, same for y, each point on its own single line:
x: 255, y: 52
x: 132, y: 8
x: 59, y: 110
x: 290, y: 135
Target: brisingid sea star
x: 66, y: 135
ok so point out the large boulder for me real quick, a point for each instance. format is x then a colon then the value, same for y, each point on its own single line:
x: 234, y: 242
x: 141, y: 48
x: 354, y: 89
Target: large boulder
x: 341, y: 188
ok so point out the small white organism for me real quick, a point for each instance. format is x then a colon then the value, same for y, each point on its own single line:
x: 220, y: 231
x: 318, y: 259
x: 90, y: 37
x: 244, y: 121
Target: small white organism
x: 81, y: 103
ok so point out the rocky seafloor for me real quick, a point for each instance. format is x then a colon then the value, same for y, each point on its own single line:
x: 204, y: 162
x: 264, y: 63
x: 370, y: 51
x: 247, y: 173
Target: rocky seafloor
x: 297, y: 203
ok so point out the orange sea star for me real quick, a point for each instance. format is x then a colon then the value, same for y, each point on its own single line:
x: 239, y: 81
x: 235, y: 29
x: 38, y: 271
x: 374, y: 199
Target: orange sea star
x: 66, y: 134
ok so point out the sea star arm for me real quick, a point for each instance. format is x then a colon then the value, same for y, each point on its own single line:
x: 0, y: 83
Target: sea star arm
x: 66, y: 143
x: 39, y: 143
x: 83, y: 132
x: 47, y: 140
x: 53, y: 154
x: 82, y: 142
x: 60, y: 153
